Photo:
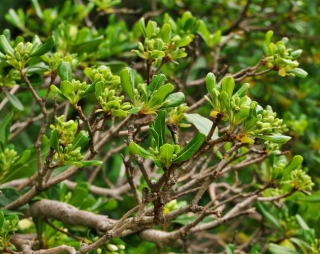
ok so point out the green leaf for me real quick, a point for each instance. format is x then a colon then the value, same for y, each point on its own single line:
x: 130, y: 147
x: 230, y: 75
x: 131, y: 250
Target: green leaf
x: 277, y: 249
x: 54, y: 140
x: 2, y: 221
x: 142, y: 26
x: 87, y: 46
x: 5, y: 47
x: 127, y: 82
x: 302, y: 223
x: 159, y: 96
x: 314, y: 198
x: 227, y: 85
x: 173, y: 100
x: 216, y: 38
x: 14, y: 100
x: 160, y: 127
x: 14, y: 19
x: 269, y: 216
x: 203, y: 32
x: 225, y: 100
x: 191, y: 148
x: 119, y: 113
x: 79, y: 194
x: 44, y: 48
x: 111, y: 205
x: 81, y: 140
x: 37, y: 8
x: 24, y: 158
x: 91, y: 163
x: 243, y: 90
x: 5, y: 128
x: 279, y: 139
x: 298, y: 72
x: 166, y: 153
x: 65, y: 71
x: 295, y: 163
x: 202, y: 124
x: 138, y: 150
x: 134, y: 110
x: 67, y: 89
x: 211, y: 83
x: 156, y: 54
x: 151, y: 29
x: 166, y: 33
x: 230, y: 249
x: 156, y: 82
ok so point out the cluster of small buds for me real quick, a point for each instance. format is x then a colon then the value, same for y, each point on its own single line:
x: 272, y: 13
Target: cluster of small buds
x: 112, y: 248
x: 281, y: 58
x: 8, y: 227
x: 57, y: 58
x: 271, y: 146
x: 20, y: 55
x: 268, y: 123
x: 109, y: 101
x: 170, y: 206
x: 67, y: 130
x: 10, y: 79
x: 176, y: 115
x: 67, y: 154
x: 76, y: 90
x: 7, y: 158
x: 162, y: 43
x: 104, y: 74
x: 300, y: 180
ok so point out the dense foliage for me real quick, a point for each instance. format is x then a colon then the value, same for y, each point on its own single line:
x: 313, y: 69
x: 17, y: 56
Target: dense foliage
x: 159, y: 126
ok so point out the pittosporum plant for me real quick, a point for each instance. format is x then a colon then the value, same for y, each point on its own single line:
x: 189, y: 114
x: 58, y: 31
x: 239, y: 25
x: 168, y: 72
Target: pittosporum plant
x: 105, y: 147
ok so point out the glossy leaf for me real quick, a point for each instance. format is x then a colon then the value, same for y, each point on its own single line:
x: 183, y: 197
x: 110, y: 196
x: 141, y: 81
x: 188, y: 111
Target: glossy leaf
x: 202, y: 124
x: 165, y: 33
x: 37, y: 8
x: 14, y: 100
x: 54, y: 140
x: 81, y: 140
x: 138, y: 150
x: 295, y: 163
x: 24, y: 158
x: 166, y: 153
x: 173, y: 100
x: 159, y: 126
x: 277, y: 249
x: 142, y: 26
x: 156, y: 82
x: 278, y: 139
x: 2, y: 221
x: 65, y: 71
x: 44, y: 48
x: 243, y: 90
x: 5, y: 128
x: 191, y: 148
x: 5, y: 47
x: 211, y: 83
x: 227, y: 85
x: 267, y: 215
x: 159, y: 95
x: 87, y: 46
x: 127, y: 82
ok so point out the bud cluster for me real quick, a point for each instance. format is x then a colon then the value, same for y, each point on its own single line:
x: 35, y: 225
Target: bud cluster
x: 7, y: 158
x: 67, y: 130
x: 104, y: 74
x: 281, y: 58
